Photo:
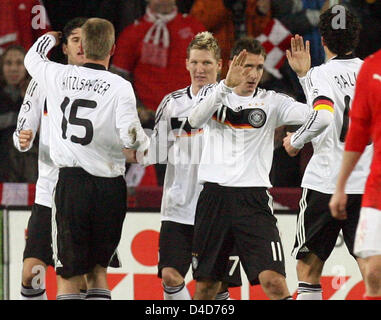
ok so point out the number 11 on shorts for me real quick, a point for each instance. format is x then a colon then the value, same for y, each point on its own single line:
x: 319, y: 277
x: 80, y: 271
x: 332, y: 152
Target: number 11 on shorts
x: 277, y: 251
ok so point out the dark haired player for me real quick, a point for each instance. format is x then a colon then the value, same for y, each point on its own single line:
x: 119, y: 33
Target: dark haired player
x: 33, y: 118
x: 235, y: 209
x: 329, y: 88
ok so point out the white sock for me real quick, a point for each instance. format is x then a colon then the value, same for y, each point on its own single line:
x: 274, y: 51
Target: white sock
x: 29, y: 293
x: 98, y: 294
x: 225, y: 295
x: 176, y: 293
x: 308, y: 291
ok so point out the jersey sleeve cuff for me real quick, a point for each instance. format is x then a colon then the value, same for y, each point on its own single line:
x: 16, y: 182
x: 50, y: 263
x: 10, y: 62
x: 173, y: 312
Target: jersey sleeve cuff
x: 296, y: 145
x: 224, y: 89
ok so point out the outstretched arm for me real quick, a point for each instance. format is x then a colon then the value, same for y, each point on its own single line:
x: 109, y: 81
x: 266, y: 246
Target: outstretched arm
x: 207, y: 105
x: 321, y: 116
x: 29, y: 117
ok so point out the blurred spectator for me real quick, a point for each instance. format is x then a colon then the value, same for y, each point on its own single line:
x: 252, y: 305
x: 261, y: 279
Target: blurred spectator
x: 277, y: 75
x: 14, y: 79
x: 22, y: 22
x: 302, y: 17
x: 184, y: 6
x: 121, y: 12
x: 151, y: 54
x: 369, y: 13
x: 229, y: 20
x: 124, y: 12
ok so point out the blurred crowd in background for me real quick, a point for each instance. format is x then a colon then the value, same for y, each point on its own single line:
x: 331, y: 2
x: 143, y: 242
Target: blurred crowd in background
x: 153, y: 58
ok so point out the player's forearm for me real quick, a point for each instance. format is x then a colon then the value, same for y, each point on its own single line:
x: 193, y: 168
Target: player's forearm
x: 205, y: 108
x: 303, y: 83
x: 350, y: 159
x: 36, y: 57
x: 318, y: 121
x: 158, y: 149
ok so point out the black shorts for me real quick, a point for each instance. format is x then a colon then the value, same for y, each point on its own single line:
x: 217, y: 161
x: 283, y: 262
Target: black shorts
x: 38, y: 238
x: 175, y: 251
x: 317, y: 231
x: 240, y: 218
x: 88, y: 218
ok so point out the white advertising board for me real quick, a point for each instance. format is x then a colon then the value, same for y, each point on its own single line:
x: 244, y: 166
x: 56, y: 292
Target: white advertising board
x: 137, y: 278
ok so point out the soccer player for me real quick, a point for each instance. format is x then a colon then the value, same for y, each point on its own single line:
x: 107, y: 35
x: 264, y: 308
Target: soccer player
x: 329, y: 89
x: 32, y: 117
x: 92, y: 117
x: 174, y: 141
x: 234, y: 208
x: 365, y: 126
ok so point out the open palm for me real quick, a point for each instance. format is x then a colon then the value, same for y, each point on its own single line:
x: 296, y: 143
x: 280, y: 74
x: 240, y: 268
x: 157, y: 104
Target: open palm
x: 299, y: 57
x: 237, y: 71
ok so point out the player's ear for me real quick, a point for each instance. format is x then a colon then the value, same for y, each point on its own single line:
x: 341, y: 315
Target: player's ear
x: 322, y: 41
x: 219, y: 63
x: 112, y: 50
x: 64, y: 49
x: 187, y: 64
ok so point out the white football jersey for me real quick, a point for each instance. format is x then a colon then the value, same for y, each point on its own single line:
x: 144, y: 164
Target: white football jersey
x: 33, y: 116
x: 332, y: 84
x: 90, y: 112
x: 176, y: 144
x: 239, y: 138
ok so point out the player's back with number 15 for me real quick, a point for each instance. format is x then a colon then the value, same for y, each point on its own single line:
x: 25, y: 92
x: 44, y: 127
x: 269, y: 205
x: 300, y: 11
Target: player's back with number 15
x: 90, y: 110
x: 334, y: 79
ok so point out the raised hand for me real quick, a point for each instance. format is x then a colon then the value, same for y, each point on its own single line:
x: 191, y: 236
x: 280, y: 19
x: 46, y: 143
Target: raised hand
x: 299, y: 57
x: 237, y: 72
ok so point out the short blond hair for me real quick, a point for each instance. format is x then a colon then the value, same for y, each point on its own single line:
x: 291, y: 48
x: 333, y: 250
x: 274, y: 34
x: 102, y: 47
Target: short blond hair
x: 205, y: 41
x: 98, y: 37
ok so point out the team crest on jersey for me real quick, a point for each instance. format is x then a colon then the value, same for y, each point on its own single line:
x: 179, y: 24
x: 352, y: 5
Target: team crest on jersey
x: 257, y: 118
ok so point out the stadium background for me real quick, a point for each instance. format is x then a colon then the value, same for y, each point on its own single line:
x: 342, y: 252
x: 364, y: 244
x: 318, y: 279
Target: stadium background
x: 137, y: 278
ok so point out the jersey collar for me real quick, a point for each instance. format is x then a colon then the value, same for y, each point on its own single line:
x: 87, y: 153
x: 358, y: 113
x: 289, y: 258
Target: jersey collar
x: 94, y: 66
x: 344, y: 57
x: 189, y: 92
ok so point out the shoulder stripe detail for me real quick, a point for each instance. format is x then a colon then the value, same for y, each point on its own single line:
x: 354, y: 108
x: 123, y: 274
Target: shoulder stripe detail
x: 206, y: 88
x: 179, y: 93
x: 160, y: 109
x: 43, y: 40
x: 42, y: 45
x: 46, y: 45
x: 31, y: 87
